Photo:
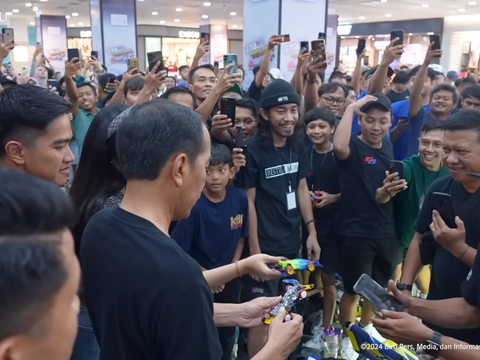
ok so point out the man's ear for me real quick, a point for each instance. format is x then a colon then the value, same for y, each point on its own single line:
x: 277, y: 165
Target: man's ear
x: 233, y: 171
x: 264, y: 114
x: 179, y: 169
x: 15, y: 151
x: 190, y: 87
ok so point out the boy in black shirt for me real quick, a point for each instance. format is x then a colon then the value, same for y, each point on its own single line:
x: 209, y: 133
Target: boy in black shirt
x: 368, y: 244
x: 277, y: 191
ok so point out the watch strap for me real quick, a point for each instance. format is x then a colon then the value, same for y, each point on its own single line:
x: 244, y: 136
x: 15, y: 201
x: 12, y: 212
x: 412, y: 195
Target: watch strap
x: 402, y: 286
x: 434, y: 345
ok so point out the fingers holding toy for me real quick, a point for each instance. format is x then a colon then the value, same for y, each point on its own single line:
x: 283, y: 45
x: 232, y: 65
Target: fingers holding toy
x: 285, y: 334
x: 260, y: 266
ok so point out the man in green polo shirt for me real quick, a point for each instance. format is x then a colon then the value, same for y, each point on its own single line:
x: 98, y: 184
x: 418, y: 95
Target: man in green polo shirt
x: 84, y: 99
x: 420, y: 171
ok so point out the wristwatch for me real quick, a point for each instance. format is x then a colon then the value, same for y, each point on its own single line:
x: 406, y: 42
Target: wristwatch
x: 401, y: 286
x: 433, y: 345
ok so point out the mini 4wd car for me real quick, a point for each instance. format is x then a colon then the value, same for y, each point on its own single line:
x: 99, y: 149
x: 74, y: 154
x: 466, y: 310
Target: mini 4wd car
x: 290, y: 266
x: 294, y: 292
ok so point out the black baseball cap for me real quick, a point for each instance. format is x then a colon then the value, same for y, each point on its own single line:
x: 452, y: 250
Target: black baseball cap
x: 381, y: 102
x: 370, y: 72
x: 7, y: 79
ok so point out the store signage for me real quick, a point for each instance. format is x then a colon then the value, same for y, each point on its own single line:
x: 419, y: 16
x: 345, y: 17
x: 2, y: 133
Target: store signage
x: 86, y: 34
x: 344, y: 30
x: 189, y: 34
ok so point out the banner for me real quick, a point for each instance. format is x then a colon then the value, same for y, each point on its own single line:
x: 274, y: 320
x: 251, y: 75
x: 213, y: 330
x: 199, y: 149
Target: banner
x: 54, y: 40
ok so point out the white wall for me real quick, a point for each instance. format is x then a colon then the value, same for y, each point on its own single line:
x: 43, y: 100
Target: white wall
x: 456, y: 31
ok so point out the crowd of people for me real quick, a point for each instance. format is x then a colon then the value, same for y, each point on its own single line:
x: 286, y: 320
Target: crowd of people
x: 135, y: 226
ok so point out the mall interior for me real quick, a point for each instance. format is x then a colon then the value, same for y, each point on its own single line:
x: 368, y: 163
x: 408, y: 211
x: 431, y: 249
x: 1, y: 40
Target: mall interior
x: 175, y: 28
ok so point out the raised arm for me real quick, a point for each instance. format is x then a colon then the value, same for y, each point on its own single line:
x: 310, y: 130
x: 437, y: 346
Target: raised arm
x: 265, y: 64
x: 202, y: 50
x: 377, y: 81
x: 357, y: 72
x: 71, y: 69
x: 297, y: 79
x: 153, y: 80
x: 313, y: 82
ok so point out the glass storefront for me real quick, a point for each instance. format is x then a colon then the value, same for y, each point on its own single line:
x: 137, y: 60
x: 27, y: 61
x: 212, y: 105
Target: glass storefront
x: 84, y: 45
x: 176, y: 51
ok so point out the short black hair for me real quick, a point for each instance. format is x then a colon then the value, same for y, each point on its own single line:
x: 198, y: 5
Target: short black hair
x: 472, y: 91
x: 446, y: 87
x: 180, y: 90
x: 220, y: 155
x: 26, y: 112
x: 155, y: 131
x: 465, y: 120
x: 330, y: 88
x: 173, y: 78
x: 103, y: 79
x: 183, y: 67
x: 470, y: 80
x: 106, y: 99
x: 431, y: 74
x: 134, y: 84
x: 89, y: 84
x: 402, y: 77
x: 33, y: 272
x: 249, y: 104
x: 320, y: 114
x: 30, y: 205
x: 432, y: 125
x: 349, y: 88
x: 194, y: 71
x: 337, y: 75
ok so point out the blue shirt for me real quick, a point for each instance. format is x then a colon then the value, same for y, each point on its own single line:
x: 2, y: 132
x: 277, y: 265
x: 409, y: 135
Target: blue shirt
x: 182, y: 83
x: 415, y: 124
x: 211, y: 233
x: 400, y: 147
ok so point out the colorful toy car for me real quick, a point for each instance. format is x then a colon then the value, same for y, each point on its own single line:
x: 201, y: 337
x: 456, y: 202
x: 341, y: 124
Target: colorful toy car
x: 290, y: 266
x: 316, y: 196
x: 294, y: 292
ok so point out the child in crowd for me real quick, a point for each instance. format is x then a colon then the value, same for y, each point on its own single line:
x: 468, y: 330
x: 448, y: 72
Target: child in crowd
x: 215, y: 231
x: 132, y: 90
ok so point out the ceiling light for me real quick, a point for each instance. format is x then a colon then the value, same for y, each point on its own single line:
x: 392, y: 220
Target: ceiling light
x: 472, y: 3
x: 342, y: 37
x: 15, y: 10
x: 74, y: 14
x: 233, y: 13
x: 388, y: 15
x: 178, y: 9
x: 44, y: 0
x: 9, y: 13
x: 340, y: 19
x: 141, y: 0
x: 373, y: 39
x: 177, y: 20
x: 162, y: 21
x: 67, y: 16
x: 154, y: 13
x: 80, y: 24
x: 430, y: 33
x: 425, y: 5
x: 34, y: 8
x: 28, y: 4
x: 234, y: 26
x: 357, y: 37
x: 384, y: 1
x: 207, y: 4
x: 72, y: 25
x: 410, y: 34
x: 204, y: 16
x: 461, y: 10
x: 32, y: 23
x: 362, y: 17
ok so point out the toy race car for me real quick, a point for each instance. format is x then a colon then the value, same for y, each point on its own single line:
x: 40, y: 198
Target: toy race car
x: 316, y: 196
x: 294, y: 292
x: 290, y: 266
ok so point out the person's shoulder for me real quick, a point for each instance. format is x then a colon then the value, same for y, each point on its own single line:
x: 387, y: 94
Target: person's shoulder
x: 236, y: 193
x: 444, y: 184
x: 400, y: 104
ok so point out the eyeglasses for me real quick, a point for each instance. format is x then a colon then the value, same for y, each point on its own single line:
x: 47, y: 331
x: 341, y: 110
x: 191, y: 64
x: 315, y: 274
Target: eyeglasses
x: 331, y: 101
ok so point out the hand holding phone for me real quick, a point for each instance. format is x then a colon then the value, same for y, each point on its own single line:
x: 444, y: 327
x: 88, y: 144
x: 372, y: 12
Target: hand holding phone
x: 304, y: 47
x: 361, y: 46
x: 318, y: 49
x: 377, y: 296
x: 397, y: 34
x: 285, y: 38
x: 442, y: 202
x: 228, y: 108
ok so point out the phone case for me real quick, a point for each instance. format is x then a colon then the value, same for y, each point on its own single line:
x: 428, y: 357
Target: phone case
x: 318, y: 49
x: 228, y: 106
x: 285, y: 38
x: 397, y: 34
x: 397, y: 167
x: 377, y: 296
x: 436, y: 40
x: 443, y: 204
x: 231, y: 59
x: 304, y: 46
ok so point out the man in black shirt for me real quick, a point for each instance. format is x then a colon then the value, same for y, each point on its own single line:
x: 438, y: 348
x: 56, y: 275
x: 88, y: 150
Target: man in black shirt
x: 277, y: 191
x: 368, y: 242
x: 399, y: 88
x: 146, y: 297
x: 451, y: 261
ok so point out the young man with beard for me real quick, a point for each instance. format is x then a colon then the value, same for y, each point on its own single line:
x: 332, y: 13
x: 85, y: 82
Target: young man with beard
x: 452, y: 261
x: 420, y: 171
x: 275, y: 182
x: 366, y: 228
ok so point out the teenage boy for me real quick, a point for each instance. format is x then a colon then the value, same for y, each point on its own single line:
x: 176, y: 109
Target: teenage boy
x: 324, y: 177
x: 420, y: 171
x: 399, y: 88
x: 35, y: 142
x: 180, y: 95
x: 214, y: 233
x: 275, y: 182
x: 471, y: 98
x: 452, y: 261
x: 132, y: 90
x: 366, y: 228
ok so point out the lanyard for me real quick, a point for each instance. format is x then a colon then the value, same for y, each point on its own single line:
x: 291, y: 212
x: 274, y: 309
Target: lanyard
x: 330, y: 148
x: 289, y: 174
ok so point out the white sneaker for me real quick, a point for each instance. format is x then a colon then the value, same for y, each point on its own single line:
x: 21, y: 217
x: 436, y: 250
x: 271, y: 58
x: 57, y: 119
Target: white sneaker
x: 370, y: 330
x: 347, y: 351
x: 317, y: 342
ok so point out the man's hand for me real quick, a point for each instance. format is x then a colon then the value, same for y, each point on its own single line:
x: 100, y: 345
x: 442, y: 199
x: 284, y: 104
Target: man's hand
x: 274, y: 41
x: 402, y: 328
x: 113, y: 87
x: 72, y: 68
x: 220, y: 123
x: 253, y: 313
x: 432, y: 55
x: 218, y: 289
x: 257, y: 265
x: 402, y: 124
x: 283, y: 337
x: 303, y: 57
x: 362, y: 54
x: 5, y: 49
x: 315, y: 66
x: 226, y: 80
x: 239, y: 159
x: 405, y: 300
x: 326, y: 199
x: 54, y: 90
x: 357, y: 105
x: 313, y: 248
x: 127, y: 75
x: 392, y: 187
x: 38, y: 50
x: 452, y: 240
x: 153, y: 80
x: 202, y: 49
x: 95, y: 63
x: 392, y: 52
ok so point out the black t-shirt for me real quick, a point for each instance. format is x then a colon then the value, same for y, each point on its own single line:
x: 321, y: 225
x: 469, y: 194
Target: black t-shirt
x: 396, y: 97
x: 361, y: 174
x: 448, y: 272
x: 146, y: 297
x: 324, y: 176
x: 255, y: 92
x: 270, y: 170
x: 471, y: 285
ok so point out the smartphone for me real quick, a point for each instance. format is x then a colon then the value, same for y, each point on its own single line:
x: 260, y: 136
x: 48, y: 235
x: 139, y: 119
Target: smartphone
x: 377, y: 296
x: 132, y: 63
x: 111, y: 80
x: 285, y: 38
x: 216, y: 65
x: 322, y: 36
x: 153, y: 58
x: 73, y: 53
x: 361, y: 46
x: 53, y: 83
x: 304, y: 46
x: 397, y: 34
x: 443, y: 204
x: 436, y: 40
x: 204, y: 37
x: 228, y: 107
x: 7, y: 34
x: 239, y: 143
x: 94, y: 54
x: 231, y: 59
x: 396, y: 167
x: 318, y: 49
